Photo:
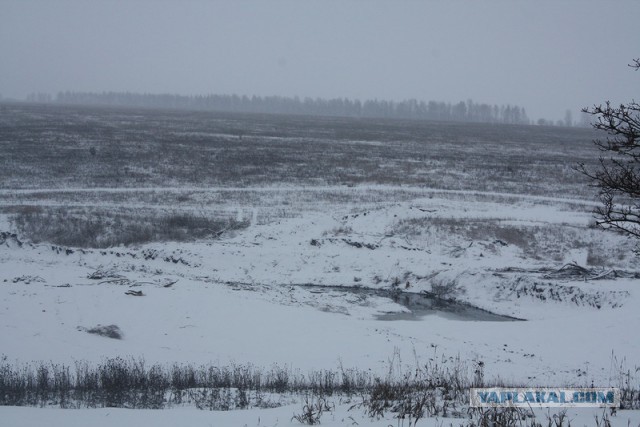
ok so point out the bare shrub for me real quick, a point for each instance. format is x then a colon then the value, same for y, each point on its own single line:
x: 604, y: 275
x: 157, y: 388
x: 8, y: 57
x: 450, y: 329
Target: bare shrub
x: 101, y: 228
x: 503, y: 417
x: 542, y: 241
x: 445, y: 289
x: 438, y: 388
x: 312, y: 410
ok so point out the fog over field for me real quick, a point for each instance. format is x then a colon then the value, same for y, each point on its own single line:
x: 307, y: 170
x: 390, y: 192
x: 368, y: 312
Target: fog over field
x: 547, y: 56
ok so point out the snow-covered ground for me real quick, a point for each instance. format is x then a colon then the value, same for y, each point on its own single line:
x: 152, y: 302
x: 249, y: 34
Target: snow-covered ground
x: 341, y: 416
x: 240, y: 298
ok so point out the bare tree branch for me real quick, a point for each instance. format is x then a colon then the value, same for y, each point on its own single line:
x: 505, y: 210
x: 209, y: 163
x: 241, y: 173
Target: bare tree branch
x: 618, y: 176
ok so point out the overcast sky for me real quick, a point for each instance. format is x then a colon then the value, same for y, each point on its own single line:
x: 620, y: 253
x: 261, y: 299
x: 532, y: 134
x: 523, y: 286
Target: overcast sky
x: 547, y: 56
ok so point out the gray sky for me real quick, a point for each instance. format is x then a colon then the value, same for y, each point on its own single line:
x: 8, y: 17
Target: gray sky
x: 545, y: 55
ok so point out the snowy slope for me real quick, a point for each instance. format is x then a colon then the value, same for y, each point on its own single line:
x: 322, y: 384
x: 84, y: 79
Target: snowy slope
x: 237, y: 298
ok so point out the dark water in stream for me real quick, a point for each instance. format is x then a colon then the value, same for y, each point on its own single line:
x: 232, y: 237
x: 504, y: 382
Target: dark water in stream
x: 420, y: 305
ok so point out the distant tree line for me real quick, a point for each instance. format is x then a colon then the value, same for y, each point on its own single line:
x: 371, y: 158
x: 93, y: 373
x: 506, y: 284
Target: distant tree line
x: 40, y: 97
x: 410, y: 109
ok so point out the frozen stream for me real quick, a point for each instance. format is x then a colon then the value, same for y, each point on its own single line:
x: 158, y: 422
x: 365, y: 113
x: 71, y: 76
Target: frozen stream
x: 419, y: 305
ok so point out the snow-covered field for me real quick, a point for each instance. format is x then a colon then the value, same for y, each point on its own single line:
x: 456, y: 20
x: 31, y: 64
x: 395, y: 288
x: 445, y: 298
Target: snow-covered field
x: 287, y: 289
x: 239, y: 299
